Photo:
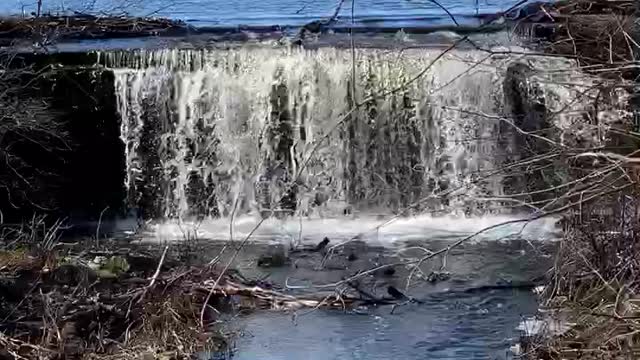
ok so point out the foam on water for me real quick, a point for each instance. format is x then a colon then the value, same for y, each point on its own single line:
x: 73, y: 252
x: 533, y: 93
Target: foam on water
x: 371, y: 229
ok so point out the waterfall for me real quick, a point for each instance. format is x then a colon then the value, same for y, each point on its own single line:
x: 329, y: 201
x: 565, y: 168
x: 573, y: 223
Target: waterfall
x: 266, y: 130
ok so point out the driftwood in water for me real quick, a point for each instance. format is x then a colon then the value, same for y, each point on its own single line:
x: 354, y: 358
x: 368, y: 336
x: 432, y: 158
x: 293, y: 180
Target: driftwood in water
x: 276, y: 300
x: 68, y: 306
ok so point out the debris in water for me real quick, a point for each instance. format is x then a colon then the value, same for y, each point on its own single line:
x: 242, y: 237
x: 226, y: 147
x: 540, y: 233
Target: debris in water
x: 539, y: 289
x: 437, y: 276
x: 395, y: 293
x: 323, y: 244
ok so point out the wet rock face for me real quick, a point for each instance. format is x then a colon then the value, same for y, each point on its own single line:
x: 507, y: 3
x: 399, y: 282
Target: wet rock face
x: 95, y: 168
x: 525, y: 102
x: 85, y: 174
x: 526, y: 121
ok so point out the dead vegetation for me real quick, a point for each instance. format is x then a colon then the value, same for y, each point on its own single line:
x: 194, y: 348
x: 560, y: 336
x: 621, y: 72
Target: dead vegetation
x: 80, y: 301
x: 85, y: 304
x: 598, y: 33
x: 594, y: 292
x: 50, y: 28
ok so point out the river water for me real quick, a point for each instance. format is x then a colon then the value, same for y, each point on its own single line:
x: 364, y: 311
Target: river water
x: 370, y: 13
x: 473, y: 314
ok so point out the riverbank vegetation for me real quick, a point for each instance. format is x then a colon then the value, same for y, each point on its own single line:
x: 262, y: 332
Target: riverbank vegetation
x: 598, y: 33
x: 594, y: 289
x: 48, y: 29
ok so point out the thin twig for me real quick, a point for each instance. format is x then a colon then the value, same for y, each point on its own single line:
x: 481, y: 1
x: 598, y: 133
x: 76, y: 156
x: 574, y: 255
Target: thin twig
x: 224, y: 270
x: 155, y: 275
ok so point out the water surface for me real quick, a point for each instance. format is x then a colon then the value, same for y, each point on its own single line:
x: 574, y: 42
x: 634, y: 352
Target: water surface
x: 370, y: 13
x: 467, y: 316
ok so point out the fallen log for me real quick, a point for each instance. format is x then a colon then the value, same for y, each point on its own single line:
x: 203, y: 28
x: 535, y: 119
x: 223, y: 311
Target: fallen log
x: 276, y: 300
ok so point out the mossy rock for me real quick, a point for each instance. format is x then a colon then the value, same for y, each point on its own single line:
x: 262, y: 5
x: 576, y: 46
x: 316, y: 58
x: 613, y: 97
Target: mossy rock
x: 110, y: 268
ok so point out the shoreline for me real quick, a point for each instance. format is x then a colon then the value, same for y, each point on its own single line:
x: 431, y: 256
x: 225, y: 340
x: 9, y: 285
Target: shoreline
x: 588, y: 308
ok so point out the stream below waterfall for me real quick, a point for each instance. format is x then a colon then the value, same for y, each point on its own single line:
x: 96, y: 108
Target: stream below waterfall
x: 469, y: 309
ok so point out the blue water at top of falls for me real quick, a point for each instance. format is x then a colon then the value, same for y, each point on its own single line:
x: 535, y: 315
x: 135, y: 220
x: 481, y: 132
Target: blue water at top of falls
x: 366, y: 13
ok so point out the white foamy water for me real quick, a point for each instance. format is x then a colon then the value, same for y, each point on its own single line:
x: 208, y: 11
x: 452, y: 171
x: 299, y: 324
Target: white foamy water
x: 373, y: 230
x: 203, y: 127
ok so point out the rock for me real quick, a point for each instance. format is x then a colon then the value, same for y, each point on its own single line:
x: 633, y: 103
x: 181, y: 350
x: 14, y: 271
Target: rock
x: 109, y: 268
x: 524, y: 99
x: 526, y: 110
x: 117, y: 265
x: 275, y: 257
x: 388, y: 271
x: 395, y: 293
x: 323, y: 244
x: 271, y: 261
x: 437, y: 276
x: 73, y: 275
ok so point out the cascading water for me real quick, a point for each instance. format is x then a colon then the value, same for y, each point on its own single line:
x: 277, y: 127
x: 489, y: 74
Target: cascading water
x: 219, y: 133
x: 214, y: 132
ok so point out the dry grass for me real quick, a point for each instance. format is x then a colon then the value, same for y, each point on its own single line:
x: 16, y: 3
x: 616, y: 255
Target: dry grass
x: 50, y: 28
x: 596, y: 284
x: 599, y: 33
x: 596, y: 279
x: 596, y: 39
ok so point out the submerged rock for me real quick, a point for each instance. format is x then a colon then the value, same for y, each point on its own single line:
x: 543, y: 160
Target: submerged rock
x: 323, y: 244
x: 276, y: 256
x: 437, y: 276
x: 395, y: 293
x: 271, y: 261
